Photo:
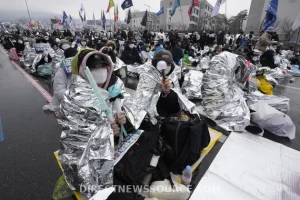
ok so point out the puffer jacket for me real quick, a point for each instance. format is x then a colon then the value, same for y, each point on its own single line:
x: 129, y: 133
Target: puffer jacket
x: 263, y: 42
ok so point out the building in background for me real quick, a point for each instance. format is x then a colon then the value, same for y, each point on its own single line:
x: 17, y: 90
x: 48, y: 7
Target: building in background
x: 137, y: 17
x: 181, y: 20
x: 288, y: 11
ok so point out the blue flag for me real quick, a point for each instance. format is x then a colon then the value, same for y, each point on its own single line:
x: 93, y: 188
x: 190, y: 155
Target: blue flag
x: 126, y: 4
x: 103, y: 20
x: 271, y: 15
x: 176, y: 4
x: 65, y: 16
x: 161, y: 11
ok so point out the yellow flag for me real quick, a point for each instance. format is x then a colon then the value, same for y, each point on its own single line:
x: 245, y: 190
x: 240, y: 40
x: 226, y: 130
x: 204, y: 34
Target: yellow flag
x: 36, y: 24
x: 111, y: 4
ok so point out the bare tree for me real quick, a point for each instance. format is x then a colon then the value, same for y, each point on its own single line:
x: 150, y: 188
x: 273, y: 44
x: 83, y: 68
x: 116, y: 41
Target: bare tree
x: 286, y: 27
x: 236, y: 22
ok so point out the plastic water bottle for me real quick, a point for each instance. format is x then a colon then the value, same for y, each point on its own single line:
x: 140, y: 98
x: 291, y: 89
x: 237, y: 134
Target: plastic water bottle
x: 187, y: 176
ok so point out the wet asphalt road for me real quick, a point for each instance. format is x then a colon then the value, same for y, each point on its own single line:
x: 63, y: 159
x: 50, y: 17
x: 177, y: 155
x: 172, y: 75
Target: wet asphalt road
x: 28, y: 169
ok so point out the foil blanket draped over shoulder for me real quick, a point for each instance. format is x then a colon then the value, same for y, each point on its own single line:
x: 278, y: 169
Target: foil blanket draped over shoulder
x: 28, y: 57
x: 223, y: 99
x: 87, y: 149
x: 148, y: 92
x: 192, y: 84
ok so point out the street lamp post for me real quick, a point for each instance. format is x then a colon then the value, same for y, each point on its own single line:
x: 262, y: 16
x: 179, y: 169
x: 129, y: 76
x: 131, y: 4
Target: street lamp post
x: 148, y: 13
x: 28, y: 11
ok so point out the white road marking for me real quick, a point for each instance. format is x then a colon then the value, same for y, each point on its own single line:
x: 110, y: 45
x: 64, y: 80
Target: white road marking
x: 290, y: 87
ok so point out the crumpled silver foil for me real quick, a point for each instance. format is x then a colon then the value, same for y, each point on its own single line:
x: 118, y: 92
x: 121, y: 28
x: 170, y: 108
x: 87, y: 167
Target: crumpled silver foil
x: 282, y: 62
x: 87, y: 149
x: 223, y: 99
x: 119, y: 64
x: 147, y: 95
x: 204, y: 63
x: 280, y: 103
x: 29, y: 56
x: 192, y: 84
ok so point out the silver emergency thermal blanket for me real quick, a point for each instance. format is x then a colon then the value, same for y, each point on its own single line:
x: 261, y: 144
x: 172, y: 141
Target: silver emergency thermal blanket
x: 223, y: 99
x: 281, y: 103
x: 87, y: 149
x: 119, y: 64
x: 204, y: 63
x: 192, y: 84
x: 29, y: 56
x: 147, y: 95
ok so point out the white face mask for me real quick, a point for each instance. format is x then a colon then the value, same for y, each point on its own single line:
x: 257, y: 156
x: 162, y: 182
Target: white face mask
x: 14, y: 41
x: 20, y: 41
x: 100, y: 75
x: 163, y: 65
x: 83, y: 43
x: 147, y: 49
x: 131, y: 46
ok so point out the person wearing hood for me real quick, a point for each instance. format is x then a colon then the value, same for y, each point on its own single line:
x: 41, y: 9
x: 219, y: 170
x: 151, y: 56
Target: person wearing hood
x: 19, y: 45
x: 156, y: 79
x: 265, y: 40
x: 87, y: 139
x: 177, y: 52
x: 61, y: 80
x: 146, y: 54
x: 110, y: 50
x: 130, y: 55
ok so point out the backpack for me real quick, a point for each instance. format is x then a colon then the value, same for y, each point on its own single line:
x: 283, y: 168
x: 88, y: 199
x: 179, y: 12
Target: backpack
x: 132, y: 168
x: 185, y: 141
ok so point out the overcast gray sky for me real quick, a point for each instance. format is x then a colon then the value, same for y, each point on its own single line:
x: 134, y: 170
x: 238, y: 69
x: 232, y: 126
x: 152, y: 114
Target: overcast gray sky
x: 72, y: 6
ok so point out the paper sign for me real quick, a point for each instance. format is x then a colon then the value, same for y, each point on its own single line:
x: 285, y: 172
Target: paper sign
x: 125, y: 145
x: 41, y: 47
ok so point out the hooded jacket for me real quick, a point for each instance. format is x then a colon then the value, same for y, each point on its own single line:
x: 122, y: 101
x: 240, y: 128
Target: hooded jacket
x: 131, y: 56
x: 263, y: 42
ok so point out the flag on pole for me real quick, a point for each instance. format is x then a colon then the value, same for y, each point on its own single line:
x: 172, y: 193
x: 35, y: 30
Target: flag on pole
x: 271, y: 15
x: 111, y: 4
x: 126, y: 4
x: 296, y: 23
x: 216, y: 9
x: 82, y: 8
x: 161, y: 11
x: 145, y: 18
x: 94, y: 18
x: 103, y: 20
x: 65, y: 17
x: 31, y: 25
x: 176, y: 4
x: 116, y: 14
x: 194, y: 3
x: 128, y: 19
x: 71, y: 21
x: 36, y: 24
x: 80, y: 16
